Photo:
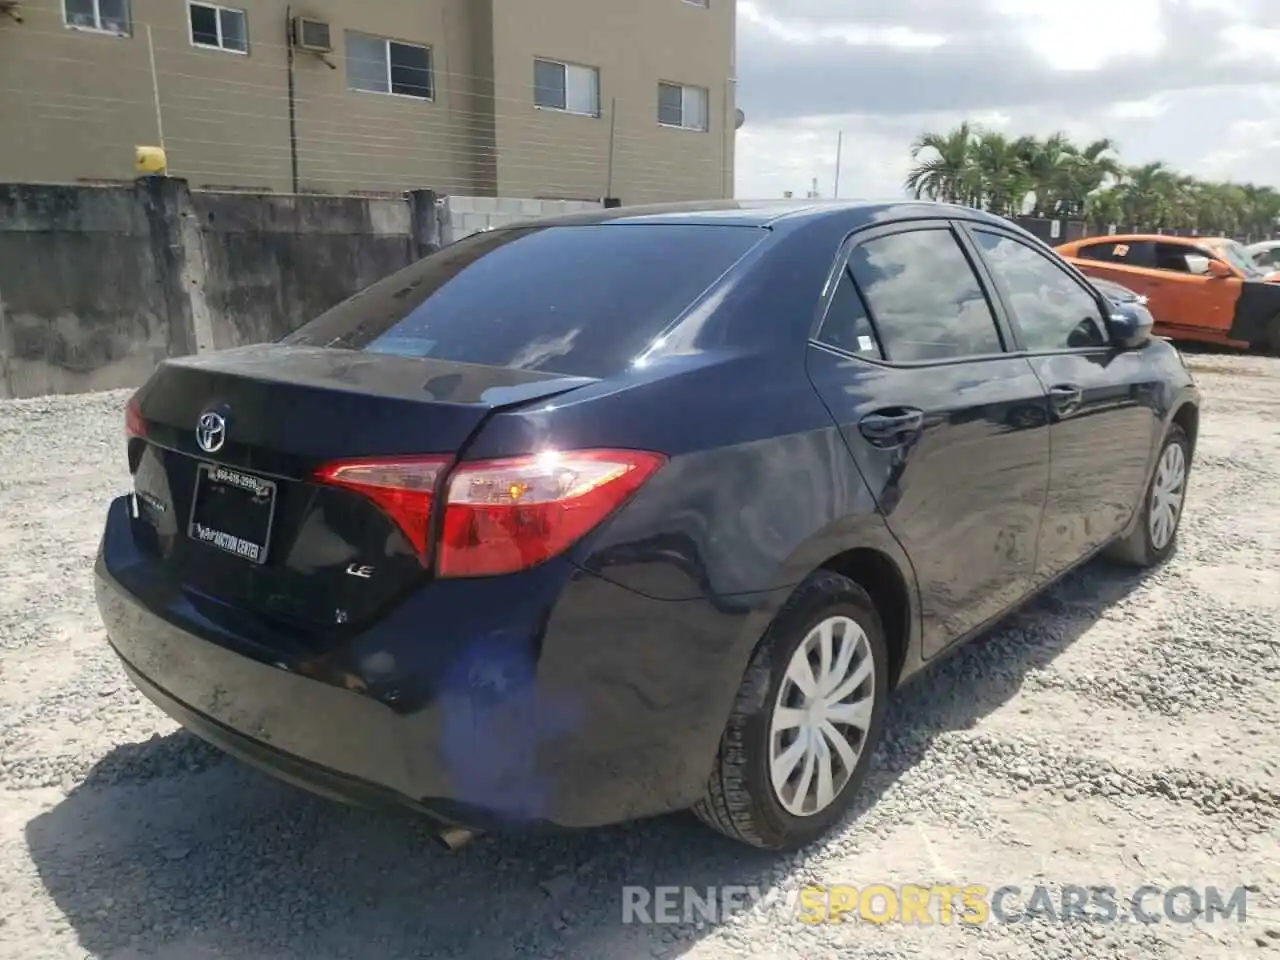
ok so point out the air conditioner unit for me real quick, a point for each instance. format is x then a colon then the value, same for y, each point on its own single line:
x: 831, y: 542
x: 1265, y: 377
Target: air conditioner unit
x: 312, y: 35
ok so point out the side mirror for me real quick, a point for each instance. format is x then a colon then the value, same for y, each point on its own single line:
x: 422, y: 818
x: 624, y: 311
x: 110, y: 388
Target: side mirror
x: 1219, y: 270
x: 1130, y: 325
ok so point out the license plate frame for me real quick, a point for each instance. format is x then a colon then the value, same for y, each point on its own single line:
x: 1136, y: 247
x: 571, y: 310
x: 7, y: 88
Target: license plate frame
x: 246, y: 485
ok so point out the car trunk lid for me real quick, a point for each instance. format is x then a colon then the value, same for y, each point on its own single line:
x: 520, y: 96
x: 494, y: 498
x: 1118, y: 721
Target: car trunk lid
x: 242, y: 520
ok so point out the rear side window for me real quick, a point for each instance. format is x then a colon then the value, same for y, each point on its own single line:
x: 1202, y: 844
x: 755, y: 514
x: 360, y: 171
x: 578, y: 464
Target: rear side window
x: 925, y: 300
x: 576, y: 300
x: 1099, y: 251
x: 1140, y: 253
x: 846, y: 325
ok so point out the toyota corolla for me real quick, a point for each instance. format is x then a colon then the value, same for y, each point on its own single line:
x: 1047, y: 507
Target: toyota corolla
x: 600, y: 517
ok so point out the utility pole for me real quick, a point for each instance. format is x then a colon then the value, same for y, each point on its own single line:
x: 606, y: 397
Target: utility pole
x: 839, y: 144
x: 7, y: 387
x: 293, y: 96
x: 155, y: 91
x: 613, y: 121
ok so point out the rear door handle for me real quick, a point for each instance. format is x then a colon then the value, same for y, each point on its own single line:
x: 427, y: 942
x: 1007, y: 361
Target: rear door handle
x: 1065, y: 395
x: 891, y: 428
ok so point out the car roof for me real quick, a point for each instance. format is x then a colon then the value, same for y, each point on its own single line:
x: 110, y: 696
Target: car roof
x: 1262, y: 245
x: 769, y: 213
x: 1146, y: 238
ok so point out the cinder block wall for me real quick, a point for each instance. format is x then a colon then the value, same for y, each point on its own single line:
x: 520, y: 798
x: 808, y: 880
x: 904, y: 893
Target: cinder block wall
x: 462, y: 216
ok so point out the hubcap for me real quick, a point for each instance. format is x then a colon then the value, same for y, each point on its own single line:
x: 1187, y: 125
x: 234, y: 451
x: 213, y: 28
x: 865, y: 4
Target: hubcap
x: 1166, y: 495
x: 821, y: 717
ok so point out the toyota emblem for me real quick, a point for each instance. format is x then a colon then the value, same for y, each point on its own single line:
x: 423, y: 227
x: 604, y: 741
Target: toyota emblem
x: 211, y: 431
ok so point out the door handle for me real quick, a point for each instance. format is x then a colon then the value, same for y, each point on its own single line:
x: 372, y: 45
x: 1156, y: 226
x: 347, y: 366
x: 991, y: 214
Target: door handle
x: 891, y: 428
x: 1065, y: 395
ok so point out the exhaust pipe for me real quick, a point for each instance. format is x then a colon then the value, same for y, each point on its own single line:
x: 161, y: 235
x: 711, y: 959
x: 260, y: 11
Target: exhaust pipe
x: 454, y: 838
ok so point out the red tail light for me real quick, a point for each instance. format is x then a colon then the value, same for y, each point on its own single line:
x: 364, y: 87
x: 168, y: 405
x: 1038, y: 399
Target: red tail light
x: 500, y: 516
x: 403, y: 488
x: 507, y: 515
x: 134, y: 425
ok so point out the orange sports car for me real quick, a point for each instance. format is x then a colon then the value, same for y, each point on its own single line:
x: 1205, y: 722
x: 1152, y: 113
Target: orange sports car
x: 1197, y: 288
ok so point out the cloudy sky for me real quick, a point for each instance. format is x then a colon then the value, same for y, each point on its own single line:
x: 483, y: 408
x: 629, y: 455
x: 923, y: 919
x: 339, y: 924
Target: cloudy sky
x: 1193, y: 82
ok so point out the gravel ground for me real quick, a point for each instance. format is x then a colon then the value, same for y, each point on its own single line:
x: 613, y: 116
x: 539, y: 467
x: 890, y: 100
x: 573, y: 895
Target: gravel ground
x: 1122, y: 730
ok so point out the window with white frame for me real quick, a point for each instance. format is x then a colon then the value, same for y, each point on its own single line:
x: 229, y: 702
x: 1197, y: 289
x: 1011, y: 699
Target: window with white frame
x: 107, y: 16
x: 223, y: 28
x: 377, y: 65
x: 567, y: 87
x: 681, y: 106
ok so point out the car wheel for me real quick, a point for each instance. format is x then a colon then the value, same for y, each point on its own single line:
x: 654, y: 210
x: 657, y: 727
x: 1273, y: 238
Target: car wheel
x: 1154, y: 539
x: 806, y: 720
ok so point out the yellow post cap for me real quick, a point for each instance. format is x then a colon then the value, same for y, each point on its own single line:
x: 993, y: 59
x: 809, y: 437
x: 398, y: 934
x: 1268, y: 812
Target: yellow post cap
x: 150, y: 159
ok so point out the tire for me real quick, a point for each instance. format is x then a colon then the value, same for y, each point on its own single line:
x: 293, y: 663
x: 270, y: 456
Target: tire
x: 1142, y: 548
x: 741, y: 801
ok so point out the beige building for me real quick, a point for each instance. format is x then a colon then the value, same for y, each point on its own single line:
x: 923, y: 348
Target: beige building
x: 563, y: 99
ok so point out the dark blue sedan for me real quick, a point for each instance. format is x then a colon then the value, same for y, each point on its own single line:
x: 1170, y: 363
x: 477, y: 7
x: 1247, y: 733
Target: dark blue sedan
x: 595, y: 518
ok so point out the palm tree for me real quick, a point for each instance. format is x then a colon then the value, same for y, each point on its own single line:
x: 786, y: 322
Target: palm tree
x: 1045, y: 161
x: 1149, y: 193
x: 1000, y: 173
x: 1063, y: 179
x: 1084, y: 172
x: 949, y: 174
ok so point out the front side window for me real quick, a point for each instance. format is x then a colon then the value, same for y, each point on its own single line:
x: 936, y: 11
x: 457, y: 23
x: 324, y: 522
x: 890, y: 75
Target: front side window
x: 681, y: 106
x: 925, y: 300
x: 1053, y: 310
x: 222, y: 28
x: 1176, y: 258
x: 1234, y: 254
x: 376, y: 65
x: 567, y: 87
x: 578, y: 300
x: 109, y: 16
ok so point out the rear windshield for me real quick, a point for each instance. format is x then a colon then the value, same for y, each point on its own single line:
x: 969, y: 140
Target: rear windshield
x: 577, y: 300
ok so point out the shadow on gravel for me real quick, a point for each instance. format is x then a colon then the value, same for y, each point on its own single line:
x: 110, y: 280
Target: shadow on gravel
x: 167, y: 850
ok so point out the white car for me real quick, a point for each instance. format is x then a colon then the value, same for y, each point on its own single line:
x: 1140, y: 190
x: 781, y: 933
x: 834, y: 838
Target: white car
x: 1265, y: 255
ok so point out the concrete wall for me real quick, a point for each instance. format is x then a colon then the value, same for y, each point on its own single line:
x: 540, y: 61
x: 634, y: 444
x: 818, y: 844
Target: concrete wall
x: 98, y: 284
x: 88, y: 289
x: 1052, y: 232
x: 272, y: 263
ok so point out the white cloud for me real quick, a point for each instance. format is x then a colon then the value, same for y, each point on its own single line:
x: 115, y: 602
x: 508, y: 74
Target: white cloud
x: 1191, y: 82
x: 789, y: 155
x: 1147, y: 109
x: 1244, y: 40
x: 1066, y: 36
x: 1248, y: 144
x: 807, y: 31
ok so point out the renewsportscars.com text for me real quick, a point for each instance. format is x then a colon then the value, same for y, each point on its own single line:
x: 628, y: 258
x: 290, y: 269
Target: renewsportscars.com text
x: 925, y: 904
